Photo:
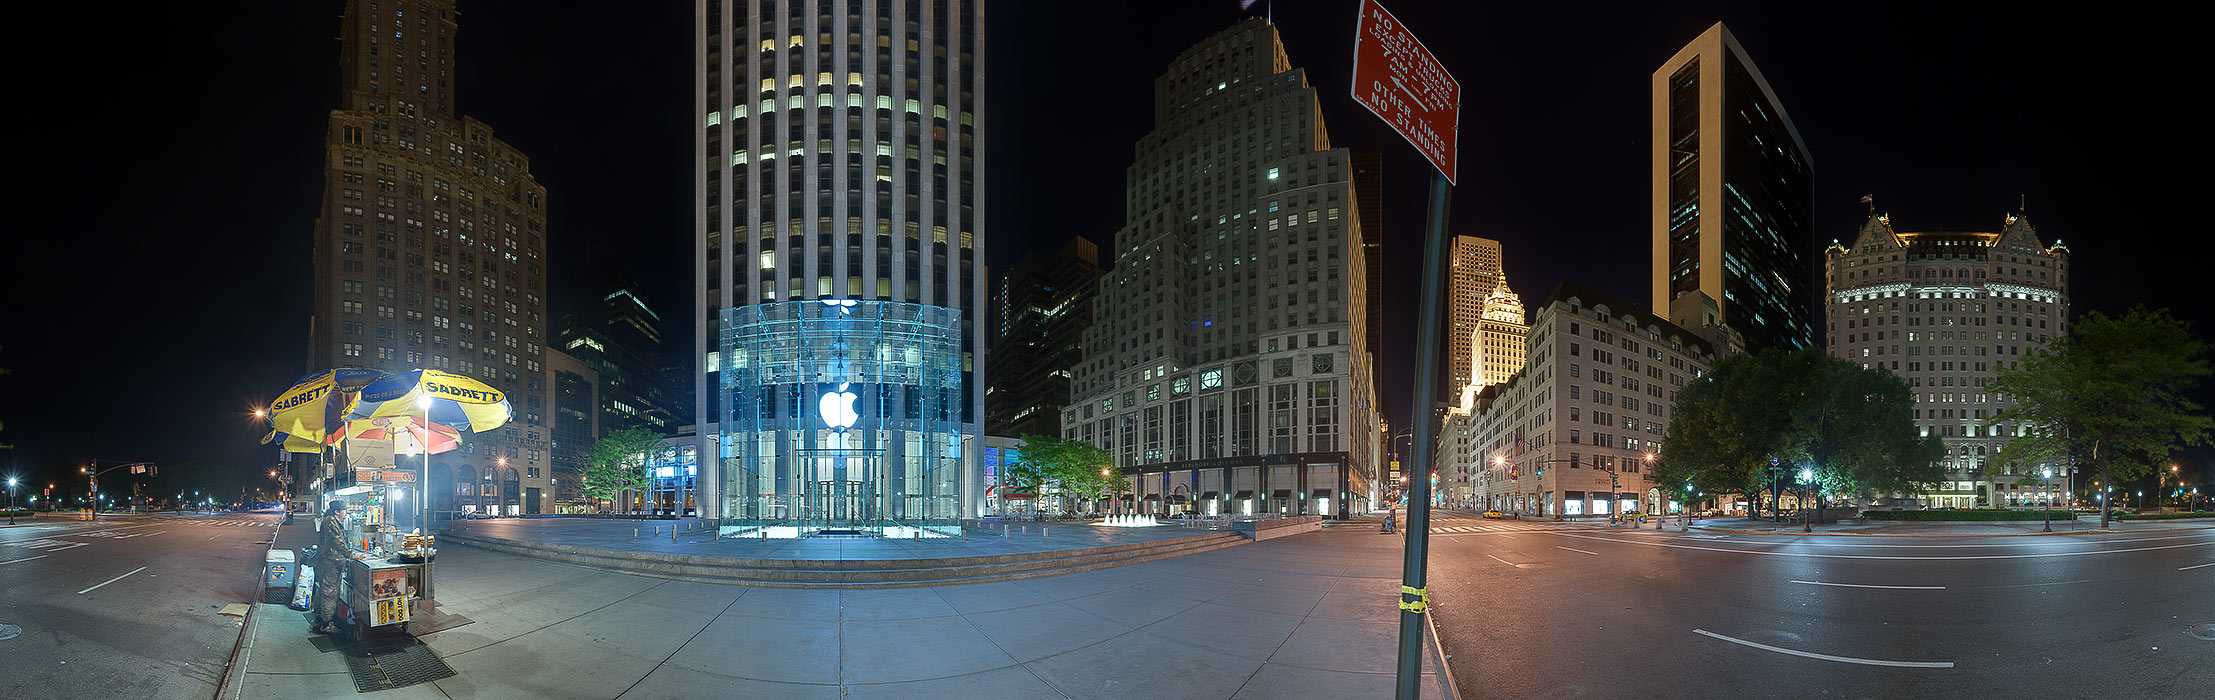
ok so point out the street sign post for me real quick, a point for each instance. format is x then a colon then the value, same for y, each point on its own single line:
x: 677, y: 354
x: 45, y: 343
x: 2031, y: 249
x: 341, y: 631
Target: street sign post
x: 1397, y: 78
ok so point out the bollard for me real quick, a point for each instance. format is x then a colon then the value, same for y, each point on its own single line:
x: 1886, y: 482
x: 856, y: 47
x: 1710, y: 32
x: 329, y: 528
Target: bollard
x: 1042, y: 531
x: 634, y: 531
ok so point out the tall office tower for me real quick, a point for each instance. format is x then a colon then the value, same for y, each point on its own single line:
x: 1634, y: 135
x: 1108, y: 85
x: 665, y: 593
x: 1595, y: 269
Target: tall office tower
x: 430, y: 248
x: 1043, y: 306
x: 613, y: 330
x: 1946, y: 311
x: 1474, y: 271
x: 1227, y: 366
x: 1369, y: 203
x: 1732, y: 195
x: 574, y: 391
x: 841, y: 298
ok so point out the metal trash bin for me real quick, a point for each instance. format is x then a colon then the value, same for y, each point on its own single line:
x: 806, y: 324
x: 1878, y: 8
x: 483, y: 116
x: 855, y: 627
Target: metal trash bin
x: 278, y: 571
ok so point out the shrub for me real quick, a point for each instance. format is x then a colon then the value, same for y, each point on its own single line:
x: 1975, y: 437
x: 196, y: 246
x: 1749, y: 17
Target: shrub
x: 1962, y: 515
x: 2166, y: 516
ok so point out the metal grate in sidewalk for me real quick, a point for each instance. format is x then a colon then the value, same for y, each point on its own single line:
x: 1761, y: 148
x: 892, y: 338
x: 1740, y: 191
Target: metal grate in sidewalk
x: 385, y: 668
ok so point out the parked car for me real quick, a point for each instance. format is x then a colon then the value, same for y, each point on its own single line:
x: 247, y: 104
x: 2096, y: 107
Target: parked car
x: 476, y: 515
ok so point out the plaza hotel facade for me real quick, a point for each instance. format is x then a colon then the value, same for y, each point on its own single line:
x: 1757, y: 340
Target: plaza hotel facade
x: 1945, y: 312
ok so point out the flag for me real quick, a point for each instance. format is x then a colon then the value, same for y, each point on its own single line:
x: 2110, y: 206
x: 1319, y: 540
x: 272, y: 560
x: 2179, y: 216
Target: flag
x: 1868, y: 198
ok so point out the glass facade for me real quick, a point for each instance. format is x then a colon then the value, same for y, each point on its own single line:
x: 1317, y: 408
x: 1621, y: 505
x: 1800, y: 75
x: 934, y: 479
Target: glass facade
x: 843, y: 416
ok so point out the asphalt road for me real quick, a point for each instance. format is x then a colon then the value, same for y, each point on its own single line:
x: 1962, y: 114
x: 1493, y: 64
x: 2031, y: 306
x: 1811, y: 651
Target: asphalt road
x: 126, y: 607
x: 1610, y: 613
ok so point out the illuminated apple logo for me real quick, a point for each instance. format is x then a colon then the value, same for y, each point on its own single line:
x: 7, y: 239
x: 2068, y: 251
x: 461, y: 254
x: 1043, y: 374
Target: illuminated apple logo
x: 845, y: 306
x: 837, y: 408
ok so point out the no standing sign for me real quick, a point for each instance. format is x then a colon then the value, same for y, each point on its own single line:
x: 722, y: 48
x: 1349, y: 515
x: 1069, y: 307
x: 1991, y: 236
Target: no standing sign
x: 1396, y: 77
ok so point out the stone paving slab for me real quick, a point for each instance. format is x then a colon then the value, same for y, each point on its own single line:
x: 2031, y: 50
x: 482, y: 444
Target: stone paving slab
x: 1310, y: 615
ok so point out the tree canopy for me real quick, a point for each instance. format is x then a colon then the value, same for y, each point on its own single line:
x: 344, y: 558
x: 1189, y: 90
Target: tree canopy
x: 1852, y: 427
x: 2114, y: 392
x: 617, y: 463
x: 1079, y: 469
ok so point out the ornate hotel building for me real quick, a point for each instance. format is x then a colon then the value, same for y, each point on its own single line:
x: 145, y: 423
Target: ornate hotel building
x: 1474, y: 271
x: 1569, y: 435
x: 430, y: 248
x: 1227, y: 366
x: 1945, y: 311
x: 840, y: 295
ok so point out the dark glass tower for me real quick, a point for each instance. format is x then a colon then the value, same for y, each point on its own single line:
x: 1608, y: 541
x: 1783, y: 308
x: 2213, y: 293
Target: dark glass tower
x: 1732, y: 197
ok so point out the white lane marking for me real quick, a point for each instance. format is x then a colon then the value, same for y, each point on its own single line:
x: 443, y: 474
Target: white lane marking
x: 1503, y: 561
x: 2195, y: 566
x: 1865, y: 585
x: 112, y: 580
x: 5, y: 563
x: 1811, y: 555
x: 1573, y: 549
x: 1812, y: 543
x: 1827, y: 657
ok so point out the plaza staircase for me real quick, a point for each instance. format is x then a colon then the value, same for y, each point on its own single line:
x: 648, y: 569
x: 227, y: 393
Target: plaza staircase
x: 856, y: 573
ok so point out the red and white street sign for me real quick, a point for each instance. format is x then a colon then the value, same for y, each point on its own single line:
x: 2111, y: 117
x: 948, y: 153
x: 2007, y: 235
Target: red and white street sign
x: 1396, y: 77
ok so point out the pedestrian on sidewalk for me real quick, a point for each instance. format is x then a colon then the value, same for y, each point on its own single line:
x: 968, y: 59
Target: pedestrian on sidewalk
x: 1391, y: 521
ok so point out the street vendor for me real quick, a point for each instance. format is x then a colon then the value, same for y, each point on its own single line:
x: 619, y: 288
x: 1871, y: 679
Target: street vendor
x: 332, y: 557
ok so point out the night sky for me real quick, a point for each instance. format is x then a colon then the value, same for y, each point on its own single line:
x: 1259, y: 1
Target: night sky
x: 167, y: 159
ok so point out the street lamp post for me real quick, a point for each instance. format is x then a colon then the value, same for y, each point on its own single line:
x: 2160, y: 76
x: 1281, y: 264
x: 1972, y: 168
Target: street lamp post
x: 11, y: 500
x: 2047, y: 473
x: 1807, y: 476
x: 1776, y: 493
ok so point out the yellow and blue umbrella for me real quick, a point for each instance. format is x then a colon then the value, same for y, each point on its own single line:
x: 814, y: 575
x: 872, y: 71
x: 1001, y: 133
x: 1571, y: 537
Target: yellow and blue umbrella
x: 292, y: 443
x: 313, y: 407
x: 438, y: 397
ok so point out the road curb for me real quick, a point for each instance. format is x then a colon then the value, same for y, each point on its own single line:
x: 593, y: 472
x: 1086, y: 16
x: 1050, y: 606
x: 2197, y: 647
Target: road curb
x: 1438, y: 651
x: 232, y: 666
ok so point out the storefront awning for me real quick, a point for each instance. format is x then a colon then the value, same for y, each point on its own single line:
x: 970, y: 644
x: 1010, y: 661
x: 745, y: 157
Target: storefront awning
x: 1321, y: 493
x: 1178, y: 498
x: 1208, y: 496
x: 1243, y: 495
x: 1282, y: 493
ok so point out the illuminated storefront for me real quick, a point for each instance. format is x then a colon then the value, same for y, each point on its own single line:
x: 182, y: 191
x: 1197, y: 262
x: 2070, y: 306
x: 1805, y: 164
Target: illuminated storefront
x: 843, y: 417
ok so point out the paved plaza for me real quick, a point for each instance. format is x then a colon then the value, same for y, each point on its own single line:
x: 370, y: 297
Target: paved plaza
x: 1309, y: 615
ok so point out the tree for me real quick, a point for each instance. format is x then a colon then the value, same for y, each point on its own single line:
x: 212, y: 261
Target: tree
x: 1078, y: 468
x: 1725, y: 429
x: 2113, y: 391
x: 1796, y: 410
x: 616, y: 464
x: 1855, y: 430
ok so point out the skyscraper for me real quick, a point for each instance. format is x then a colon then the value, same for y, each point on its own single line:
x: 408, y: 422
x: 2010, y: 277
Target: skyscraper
x: 1732, y: 196
x: 840, y: 193
x: 1227, y: 366
x: 430, y: 247
x: 1474, y: 271
x: 1369, y: 202
x: 1497, y: 343
x: 1945, y: 311
x: 1042, y: 306
x: 613, y: 330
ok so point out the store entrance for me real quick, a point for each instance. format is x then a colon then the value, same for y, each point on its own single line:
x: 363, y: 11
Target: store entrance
x: 841, y: 507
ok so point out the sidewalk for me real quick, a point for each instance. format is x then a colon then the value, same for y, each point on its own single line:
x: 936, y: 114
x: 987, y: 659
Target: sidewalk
x: 1943, y: 529
x: 1310, y: 615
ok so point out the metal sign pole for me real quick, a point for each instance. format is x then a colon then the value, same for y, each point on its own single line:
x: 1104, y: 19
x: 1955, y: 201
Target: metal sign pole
x: 1414, y: 597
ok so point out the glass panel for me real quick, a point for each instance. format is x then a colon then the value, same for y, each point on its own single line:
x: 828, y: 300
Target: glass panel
x: 845, y: 419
